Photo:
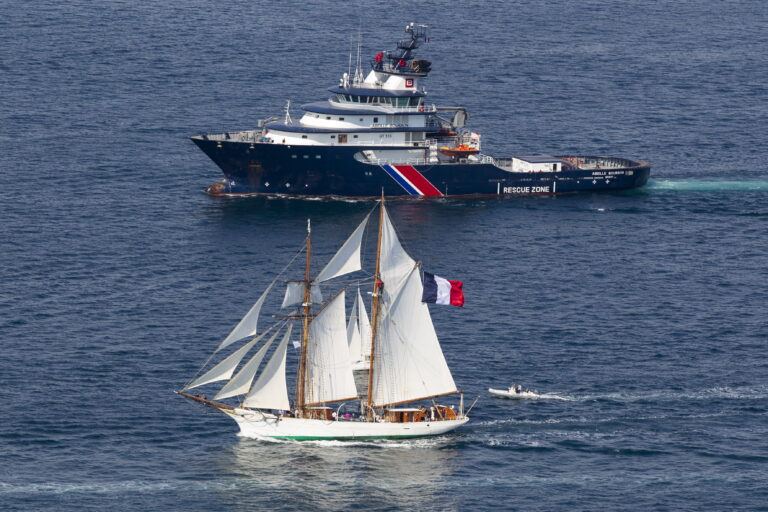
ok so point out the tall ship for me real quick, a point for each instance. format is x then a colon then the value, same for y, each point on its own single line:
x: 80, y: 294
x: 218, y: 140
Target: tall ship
x: 377, y: 132
x: 407, y: 371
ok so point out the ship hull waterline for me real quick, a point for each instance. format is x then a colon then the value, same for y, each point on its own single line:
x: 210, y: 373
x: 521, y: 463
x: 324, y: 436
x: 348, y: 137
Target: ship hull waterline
x: 333, y: 171
x: 255, y: 424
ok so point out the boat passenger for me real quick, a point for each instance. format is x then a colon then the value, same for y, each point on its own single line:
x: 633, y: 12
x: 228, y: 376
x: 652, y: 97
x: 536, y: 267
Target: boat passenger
x: 519, y: 388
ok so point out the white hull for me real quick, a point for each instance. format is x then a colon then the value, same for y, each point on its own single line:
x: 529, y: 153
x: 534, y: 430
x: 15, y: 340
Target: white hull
x: 523, y: 395
x: 361, y: 366
x: 256, y: 424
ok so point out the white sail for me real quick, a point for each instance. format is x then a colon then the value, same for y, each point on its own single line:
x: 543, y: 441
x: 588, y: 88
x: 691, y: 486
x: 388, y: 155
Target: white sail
x: 347, y: 258
x: 270, y: 390
x: 241, y: 382
x: 354, y: 338
x: 395, y: 263
x: 226, y: 367
x: 294, y: 294
x: 365, y: 328
x: 329, y: 369
x: 359, y: 331
x: 247, y: 326
x: 409, y: 362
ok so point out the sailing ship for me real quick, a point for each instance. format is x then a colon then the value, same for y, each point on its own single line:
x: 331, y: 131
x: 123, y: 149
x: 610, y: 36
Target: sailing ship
x: 406, y: 367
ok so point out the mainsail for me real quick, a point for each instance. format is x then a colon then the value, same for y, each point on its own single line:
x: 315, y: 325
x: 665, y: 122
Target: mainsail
x: 247, y: 326
x: 241, y: 382
x: 270, y: 390
x: 329, y: 369
x: 409, y: 362
x: 226, y: 367
x: 347, y: 258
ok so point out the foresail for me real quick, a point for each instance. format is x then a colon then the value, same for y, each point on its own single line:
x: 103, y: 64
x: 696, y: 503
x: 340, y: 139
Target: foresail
x: 270, y: 390
x: 409, y: 363
x: 347, y: 259
x: 241, y: 382
x: 247, y: 326
x: 395, y: 263
x: 226, y: 367
x: 329, y: 368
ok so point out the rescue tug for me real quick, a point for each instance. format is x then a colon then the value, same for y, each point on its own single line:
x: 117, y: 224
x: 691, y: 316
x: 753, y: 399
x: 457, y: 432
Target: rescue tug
x: 378, y: 133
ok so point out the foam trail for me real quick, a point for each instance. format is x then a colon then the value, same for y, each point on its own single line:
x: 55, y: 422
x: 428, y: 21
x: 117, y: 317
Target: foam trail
x: 708, y: 185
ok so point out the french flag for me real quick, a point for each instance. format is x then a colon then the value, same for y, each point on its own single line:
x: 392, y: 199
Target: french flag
x: 438, y: 290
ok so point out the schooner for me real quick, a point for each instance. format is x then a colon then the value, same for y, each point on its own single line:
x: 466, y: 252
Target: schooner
x: 406, y: 367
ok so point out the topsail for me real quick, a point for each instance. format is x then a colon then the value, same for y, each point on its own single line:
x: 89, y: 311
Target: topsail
x: 347, y: 258
x: 395, y: 262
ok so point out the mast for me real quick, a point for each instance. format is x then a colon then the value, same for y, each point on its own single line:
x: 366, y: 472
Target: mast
x: 375, y: 312
x: 301, y: 378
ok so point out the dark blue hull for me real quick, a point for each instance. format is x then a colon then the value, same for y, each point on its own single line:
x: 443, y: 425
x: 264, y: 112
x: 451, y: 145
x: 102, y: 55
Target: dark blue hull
x: 271, y: 169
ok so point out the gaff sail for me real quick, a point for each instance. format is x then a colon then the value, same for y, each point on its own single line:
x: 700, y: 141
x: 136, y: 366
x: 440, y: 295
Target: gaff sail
x: 329, y: 368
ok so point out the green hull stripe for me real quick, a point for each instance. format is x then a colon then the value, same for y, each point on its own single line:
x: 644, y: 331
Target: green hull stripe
x: 344, y: 438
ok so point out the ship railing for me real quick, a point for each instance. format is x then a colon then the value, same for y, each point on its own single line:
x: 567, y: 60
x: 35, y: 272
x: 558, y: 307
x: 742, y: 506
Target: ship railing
x: 476, y: 159
x: 243, y: 136
x: 388, y: 161
x: 595, y: 163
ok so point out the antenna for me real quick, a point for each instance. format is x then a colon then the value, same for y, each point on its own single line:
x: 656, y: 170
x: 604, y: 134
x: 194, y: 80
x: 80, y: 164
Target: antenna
x: 288, y: 113
x: 359, y: 62
x: 349, y: 66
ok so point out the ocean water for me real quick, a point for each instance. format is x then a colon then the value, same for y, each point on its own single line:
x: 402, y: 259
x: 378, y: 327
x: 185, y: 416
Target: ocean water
x: 645, y: 311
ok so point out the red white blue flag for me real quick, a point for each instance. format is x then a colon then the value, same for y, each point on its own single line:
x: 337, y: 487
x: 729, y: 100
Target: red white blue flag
x: 438, y: 290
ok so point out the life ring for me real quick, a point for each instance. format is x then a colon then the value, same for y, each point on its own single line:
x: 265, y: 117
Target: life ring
x: 421, y: 108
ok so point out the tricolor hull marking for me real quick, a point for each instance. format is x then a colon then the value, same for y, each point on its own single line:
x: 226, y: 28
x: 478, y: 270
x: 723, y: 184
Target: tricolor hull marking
x: 411, y: 180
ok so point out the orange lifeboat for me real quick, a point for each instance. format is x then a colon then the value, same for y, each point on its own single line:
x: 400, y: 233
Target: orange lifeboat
x: 462, y: 150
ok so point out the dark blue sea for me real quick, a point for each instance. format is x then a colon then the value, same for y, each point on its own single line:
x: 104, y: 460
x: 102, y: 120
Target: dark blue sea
x: 645, y: 310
